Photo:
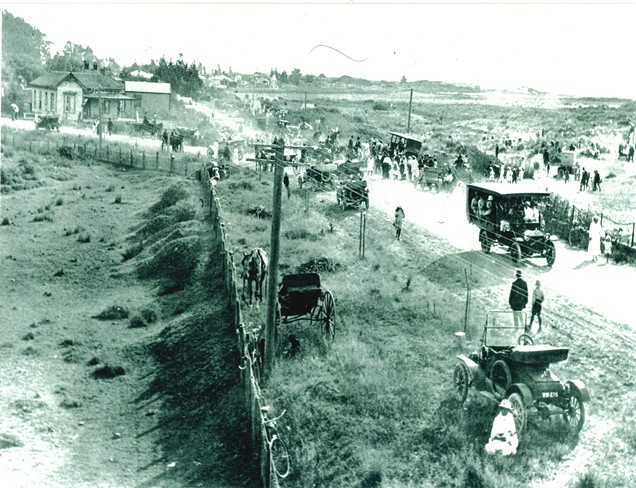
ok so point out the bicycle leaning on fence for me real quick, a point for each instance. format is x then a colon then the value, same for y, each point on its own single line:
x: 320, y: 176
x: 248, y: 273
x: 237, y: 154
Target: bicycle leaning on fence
x: 279, y: 461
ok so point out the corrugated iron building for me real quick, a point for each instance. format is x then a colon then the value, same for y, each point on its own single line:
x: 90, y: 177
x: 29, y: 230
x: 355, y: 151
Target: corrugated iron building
x: 150, y: 97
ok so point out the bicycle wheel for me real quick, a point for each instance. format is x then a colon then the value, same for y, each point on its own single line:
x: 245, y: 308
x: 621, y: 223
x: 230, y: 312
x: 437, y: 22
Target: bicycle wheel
x: 279, y: 457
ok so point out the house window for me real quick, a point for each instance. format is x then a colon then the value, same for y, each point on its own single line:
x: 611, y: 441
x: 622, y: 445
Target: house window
x: 69, y: 103
x: 46, y: 100
x: 106, y: 106
x: 52, y: 102
x: 40, y: 100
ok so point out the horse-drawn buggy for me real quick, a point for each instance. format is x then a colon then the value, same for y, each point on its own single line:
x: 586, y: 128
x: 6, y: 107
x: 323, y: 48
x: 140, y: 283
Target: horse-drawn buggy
x: 403, y: 143
x: 301, y: 297
x: 153, y: 128
x: 352, y: 194
x: 49, y: 122
x: 508, y: 365
x: 510, y: 215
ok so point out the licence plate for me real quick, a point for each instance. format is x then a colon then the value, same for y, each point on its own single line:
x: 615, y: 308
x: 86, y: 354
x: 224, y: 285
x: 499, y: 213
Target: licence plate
x: 550, y: 394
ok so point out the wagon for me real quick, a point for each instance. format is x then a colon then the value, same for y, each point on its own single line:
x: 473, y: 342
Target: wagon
x: 509, y: 365
x: 301, y: 297
x: 50, y: 122
x: 510, y: 215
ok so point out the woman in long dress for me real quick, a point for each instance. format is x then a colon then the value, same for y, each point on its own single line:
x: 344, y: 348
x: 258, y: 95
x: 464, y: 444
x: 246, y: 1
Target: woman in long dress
x: 595, y: 233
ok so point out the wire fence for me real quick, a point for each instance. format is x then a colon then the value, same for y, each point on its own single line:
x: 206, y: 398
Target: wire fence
x: 249, y: 346
x: 118, y: 153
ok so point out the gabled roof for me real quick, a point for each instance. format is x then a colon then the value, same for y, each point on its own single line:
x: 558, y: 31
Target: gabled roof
x: 88, y: 80
x: 147, y: 87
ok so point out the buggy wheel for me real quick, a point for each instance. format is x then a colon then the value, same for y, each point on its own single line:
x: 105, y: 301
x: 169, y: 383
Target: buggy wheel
x: 574, y: 414
x: 515, y: 252
x: 460, y: 382
x: 484, y: 241
x: 550, y: 253
x: 328, y: 316
x: 525, y: 340
x: 500, y: 375
x: 518, y: 412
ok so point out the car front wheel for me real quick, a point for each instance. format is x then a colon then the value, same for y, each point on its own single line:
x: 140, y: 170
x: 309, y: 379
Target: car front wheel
x: 550, y: 253
x: 460, y: 382
x: 574, y: 414
x: 518, y: 411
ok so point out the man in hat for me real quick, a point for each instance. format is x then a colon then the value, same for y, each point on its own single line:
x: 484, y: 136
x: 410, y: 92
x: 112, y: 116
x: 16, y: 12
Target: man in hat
x: 537, y: 300
x: 503, y: 436
x: 518, y: 299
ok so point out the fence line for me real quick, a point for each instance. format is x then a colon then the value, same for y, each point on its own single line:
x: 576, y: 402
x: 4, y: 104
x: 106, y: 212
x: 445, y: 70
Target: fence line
x: 121, y: 154
x: 247, y: 341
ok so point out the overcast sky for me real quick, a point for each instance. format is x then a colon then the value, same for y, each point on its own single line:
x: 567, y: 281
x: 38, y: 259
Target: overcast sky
x: 579, y: 49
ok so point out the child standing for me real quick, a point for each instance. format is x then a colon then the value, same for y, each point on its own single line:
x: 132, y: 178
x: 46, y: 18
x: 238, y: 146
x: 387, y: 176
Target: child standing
x: 537, y: 300
x: 607, y: 241
x: 399, y: 218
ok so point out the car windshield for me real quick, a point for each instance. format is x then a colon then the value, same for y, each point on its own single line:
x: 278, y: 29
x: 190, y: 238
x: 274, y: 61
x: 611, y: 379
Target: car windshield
x: 502, y: 336
x: 499, y: 329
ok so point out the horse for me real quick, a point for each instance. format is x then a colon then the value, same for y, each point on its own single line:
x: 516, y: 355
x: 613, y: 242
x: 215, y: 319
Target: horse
x: 255, y: 265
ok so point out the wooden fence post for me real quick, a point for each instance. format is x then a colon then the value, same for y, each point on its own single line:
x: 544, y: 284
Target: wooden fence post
x: 157, y: 160
x: 601, y: 219
x: 107, y: 154
x: 132, y: 161
x: 143, y: 159
x: 120, y: 159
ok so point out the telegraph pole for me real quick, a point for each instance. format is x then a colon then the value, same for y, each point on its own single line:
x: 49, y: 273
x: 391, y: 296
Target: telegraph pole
x: 408, y: 124
x: 100, y: 129
x: 270, y: 328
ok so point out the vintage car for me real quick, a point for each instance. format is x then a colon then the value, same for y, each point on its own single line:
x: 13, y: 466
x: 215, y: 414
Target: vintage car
x: 405, y: 143
x: 509, y: 214
x: 50, y: 122
x: 509, y: 365
x: 352, y: 194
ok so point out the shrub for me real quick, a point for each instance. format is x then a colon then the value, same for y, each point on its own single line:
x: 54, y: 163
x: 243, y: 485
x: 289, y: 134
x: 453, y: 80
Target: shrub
x: 137, y: 321
x: 43, y: 216
x: 183, y: 211
x: 6, y: 221
x: 117, y: 199
x: 59, y: 202
x: 380, y: 106
x: 149, y: 315
x: 322, y: 264
x: 66, y: 152
x: 176, y: 261
x: 243, y: 185
x: 114, y: 312
x: 171, y: 196
x: 84, y: 238
x: 110, y: 188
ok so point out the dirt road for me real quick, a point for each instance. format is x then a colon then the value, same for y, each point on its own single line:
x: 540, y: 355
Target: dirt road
x: 587, y: 307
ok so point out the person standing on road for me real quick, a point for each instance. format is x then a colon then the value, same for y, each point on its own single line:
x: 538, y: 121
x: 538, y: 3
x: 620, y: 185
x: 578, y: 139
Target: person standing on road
x: 286, y: 183
x: 537, y: 300
x: 518, y: 299
x: 14, y: 111
x: 109, y: 125
x: 596, y: 182
x: 399, y: 219
x: 595, y: 233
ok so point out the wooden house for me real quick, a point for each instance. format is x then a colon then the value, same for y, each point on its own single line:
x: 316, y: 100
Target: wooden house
x: 75, y: 95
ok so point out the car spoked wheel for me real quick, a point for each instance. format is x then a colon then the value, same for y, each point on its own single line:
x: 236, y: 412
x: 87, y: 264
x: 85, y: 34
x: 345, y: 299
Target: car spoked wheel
x: 460, y: 382
x: 518, y: 411
x: 574, y: 414
x: 550, y: 253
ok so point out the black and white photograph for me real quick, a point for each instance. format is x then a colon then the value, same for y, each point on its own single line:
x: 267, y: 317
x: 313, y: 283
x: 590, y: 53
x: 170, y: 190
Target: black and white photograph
x: 317, y: 245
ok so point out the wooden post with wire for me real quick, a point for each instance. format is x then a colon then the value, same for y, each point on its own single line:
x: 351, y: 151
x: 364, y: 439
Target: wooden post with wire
x: 408, y: 124
x: 270, y: 327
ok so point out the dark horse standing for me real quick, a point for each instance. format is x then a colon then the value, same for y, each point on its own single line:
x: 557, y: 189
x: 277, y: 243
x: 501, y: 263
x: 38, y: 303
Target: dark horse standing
x: 255, y: 265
